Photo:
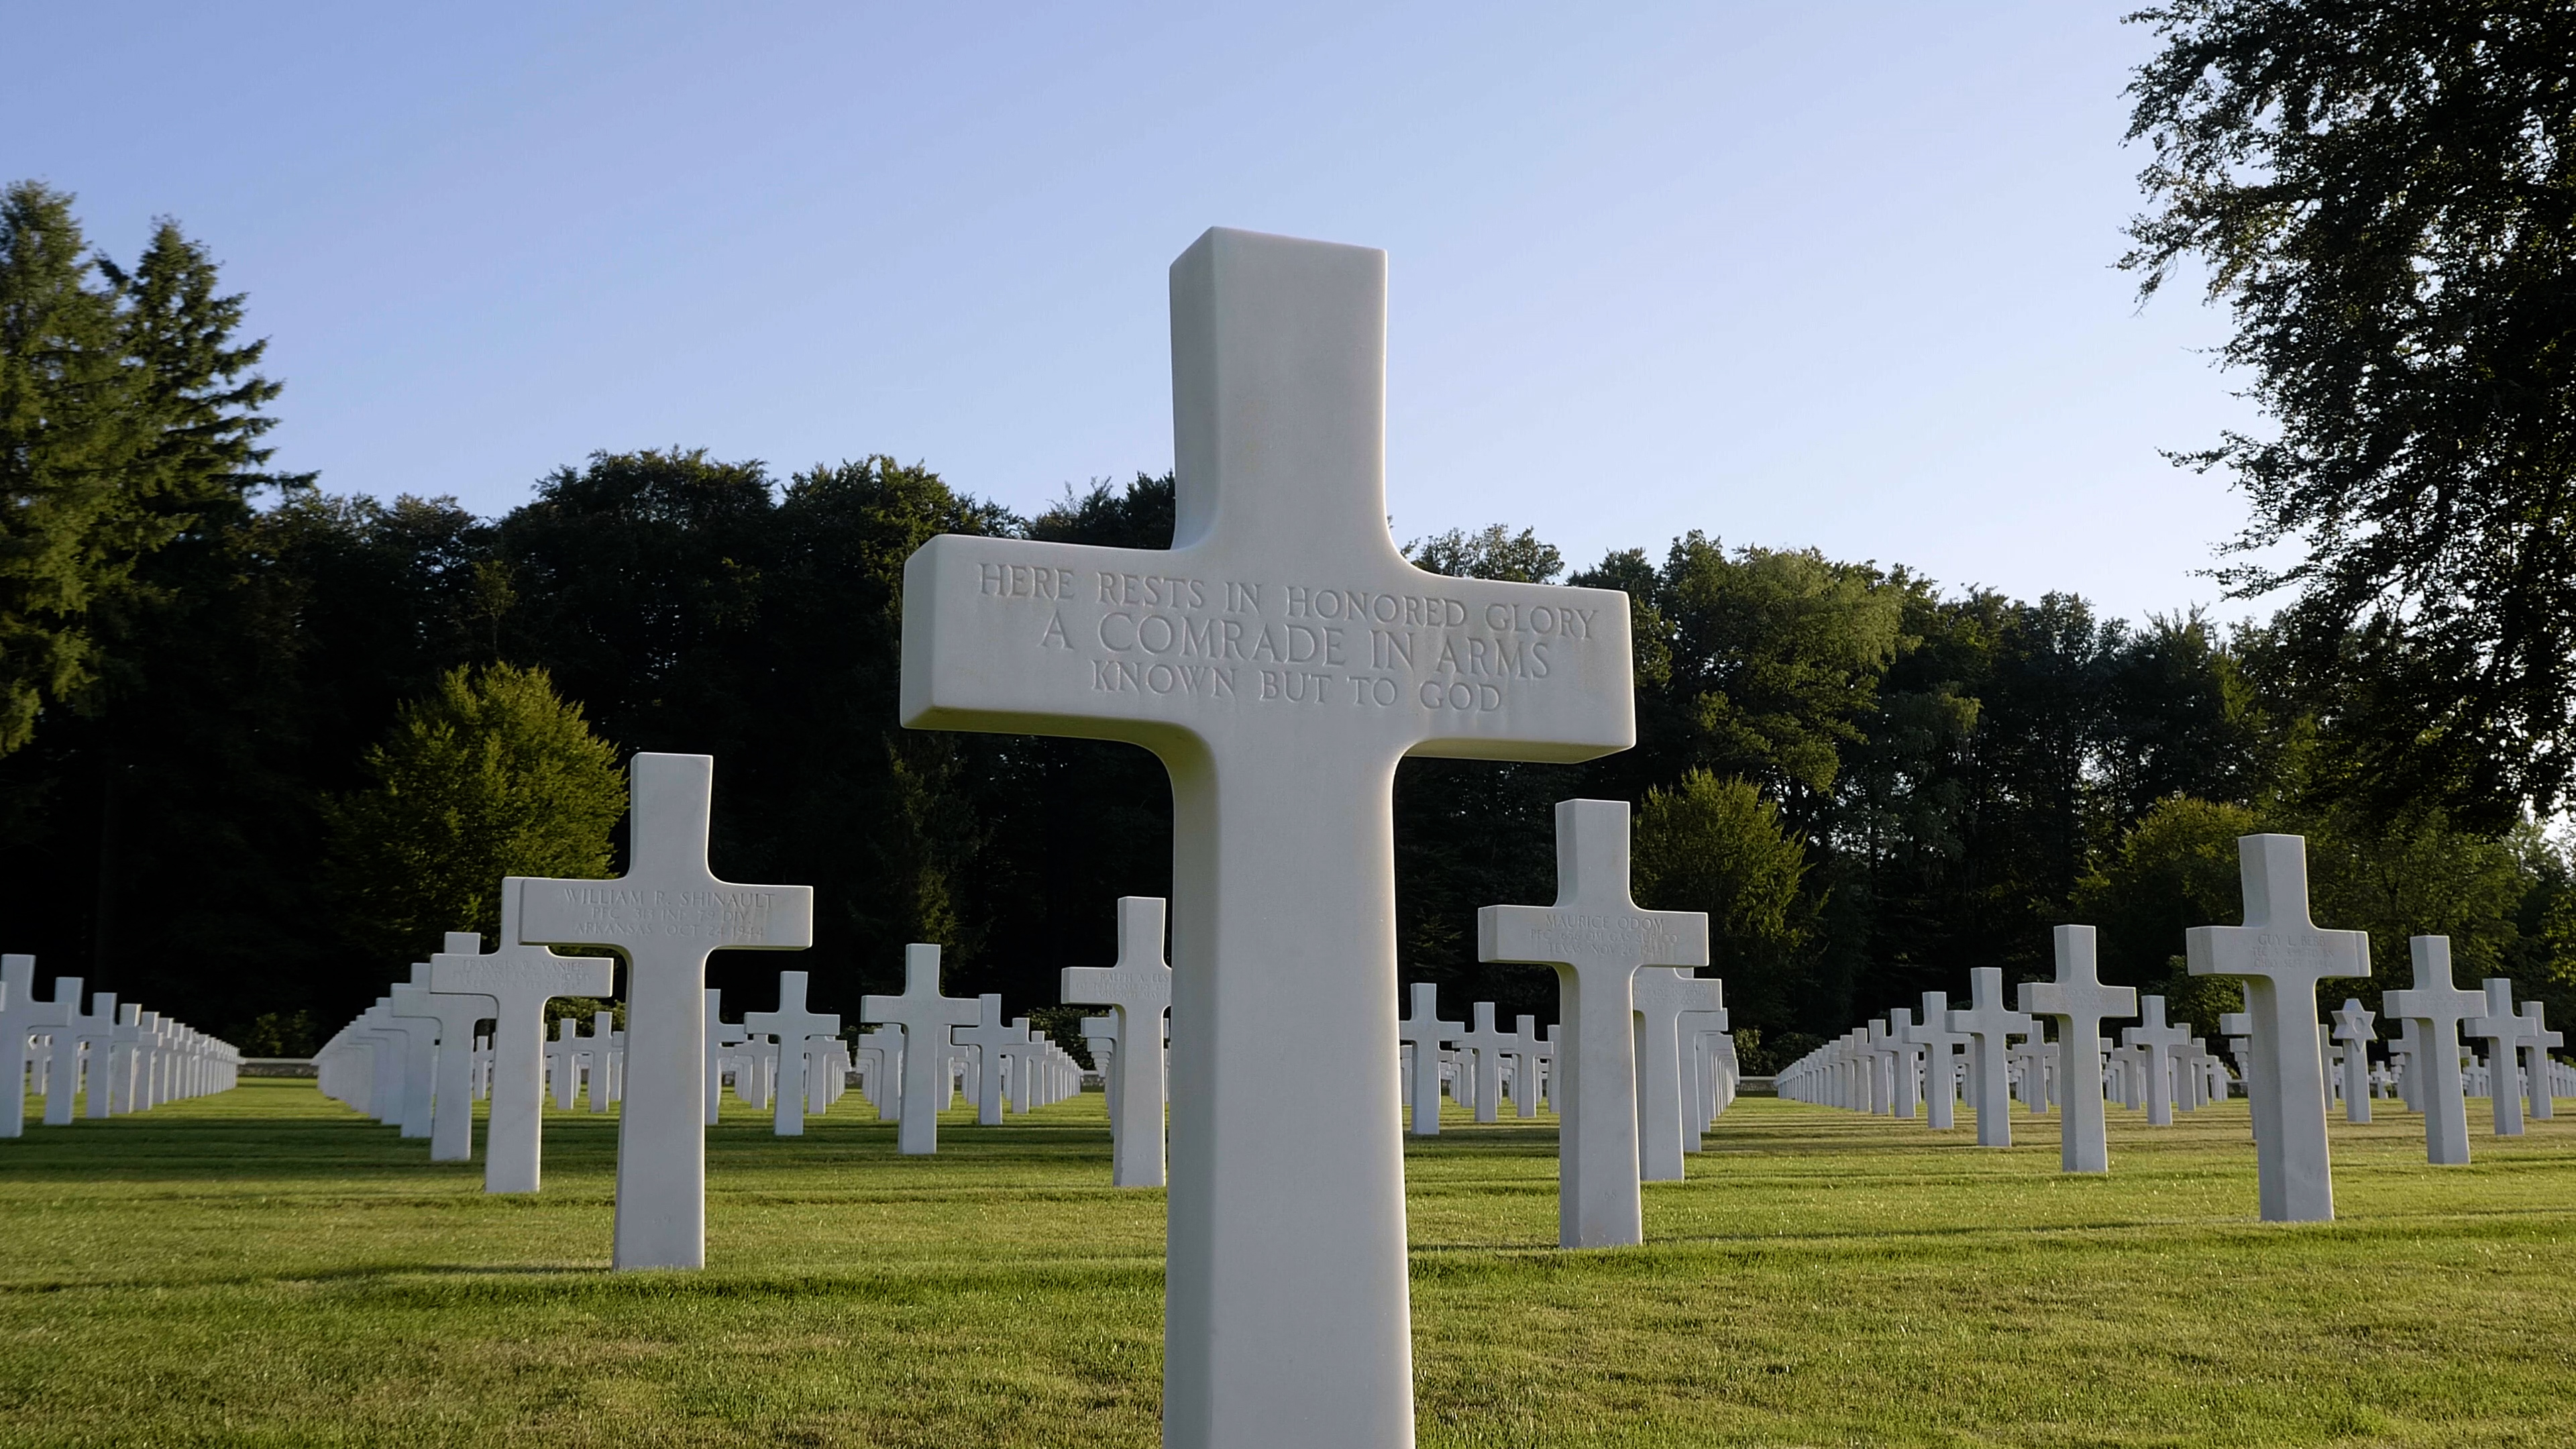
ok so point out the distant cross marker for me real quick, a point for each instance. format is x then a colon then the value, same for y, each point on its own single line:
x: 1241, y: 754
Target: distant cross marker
x: 1489, y: 1042
x: 2165, y: 1045
x: 1425, y: 1031
x: 925, y: 1017
x: 2535, y: 1058
x: 1661, y: 995
x: 1940, y: 1058
x: 2078, y: 1002
x: 1597, y: 939
x: 1138, y: 992
x: 2505, y: 1031
x: 793, y: 1025
x: 1279, y: 659
x: 519, y: 980
x: 2280, y: 957
x: 666, y: 915
x: 1990, y: 1027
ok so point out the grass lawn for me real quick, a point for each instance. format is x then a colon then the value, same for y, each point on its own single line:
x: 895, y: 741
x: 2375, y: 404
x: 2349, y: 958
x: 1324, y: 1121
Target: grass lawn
x: 266, y: 1267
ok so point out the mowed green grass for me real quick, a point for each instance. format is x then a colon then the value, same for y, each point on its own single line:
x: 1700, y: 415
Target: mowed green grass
x: 266, y: 1267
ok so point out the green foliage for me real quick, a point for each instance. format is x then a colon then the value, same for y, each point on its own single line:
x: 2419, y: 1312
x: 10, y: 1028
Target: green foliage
x: 282, y: 1034
x: 490, y: 775
x: 1492, y: 552
x: 2381, y: 193
x: 2175, y: 869
x: 1718, y: 847
x: 72, y: 432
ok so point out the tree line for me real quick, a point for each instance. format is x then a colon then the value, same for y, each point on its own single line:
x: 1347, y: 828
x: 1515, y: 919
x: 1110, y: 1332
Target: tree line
x: 261, y: 743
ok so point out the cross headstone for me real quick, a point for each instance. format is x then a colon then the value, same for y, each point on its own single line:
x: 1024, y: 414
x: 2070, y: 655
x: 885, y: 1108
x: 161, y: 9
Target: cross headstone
x: 408, y: 1004
x: 2536, y: 1061
x: 1940, y: 1043
x: 926, y: 1017
x: 1279, y: 659
x: 2354, y: 1027
x: 1900, y: 1053
x: 665, y: 916
x: 2078, y: 1002
x: 1990, y: 1027
x: 21, y: 1014
x: 1526, y: 1071
x: 451, y: 1113
x: 1426, y: 1033
x: 1597, y: 939
x: 93, y: 1031
x: 601, y: 1046
x: 2164, y: 1045
x: 1488, y: 1042
x: 2280, y: 956
x: 2505, y: 1031
x: 887, y: 1093
x: 1702, y: 1028
x: 989, y: 1035
x: 1663, y: 994
x: 792, y: 1025
x: 1138, y: 991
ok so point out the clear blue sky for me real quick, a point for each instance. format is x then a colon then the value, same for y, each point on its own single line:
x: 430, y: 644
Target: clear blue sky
x: 1825, y: 274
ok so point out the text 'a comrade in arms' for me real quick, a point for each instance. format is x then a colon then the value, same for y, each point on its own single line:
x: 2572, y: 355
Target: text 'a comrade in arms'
x: 1230, y: 639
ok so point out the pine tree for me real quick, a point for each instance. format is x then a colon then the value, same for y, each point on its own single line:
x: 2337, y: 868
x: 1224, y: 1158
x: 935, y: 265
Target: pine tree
x: 71, y: 435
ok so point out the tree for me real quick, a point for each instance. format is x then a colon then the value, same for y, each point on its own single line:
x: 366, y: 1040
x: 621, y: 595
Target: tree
x: 490, y: 775
x: 2383, y: 192
x: 71, y: 432
x: 1493, y: 552
x: 1715, y: 845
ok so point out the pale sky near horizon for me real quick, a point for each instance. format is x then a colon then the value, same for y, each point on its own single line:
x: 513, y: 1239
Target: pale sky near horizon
x: 1836, y: 274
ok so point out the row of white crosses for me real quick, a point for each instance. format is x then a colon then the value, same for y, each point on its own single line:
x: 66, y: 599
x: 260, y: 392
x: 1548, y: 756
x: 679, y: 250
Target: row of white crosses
x: 2279, y: 956
x: 1481, y: 1064
x: 105, y: 1061
x: 1886, y: 1066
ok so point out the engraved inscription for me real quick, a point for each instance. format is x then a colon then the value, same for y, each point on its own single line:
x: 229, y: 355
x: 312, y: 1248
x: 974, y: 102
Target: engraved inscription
x: 608, y: 913
x: 1296, y: 645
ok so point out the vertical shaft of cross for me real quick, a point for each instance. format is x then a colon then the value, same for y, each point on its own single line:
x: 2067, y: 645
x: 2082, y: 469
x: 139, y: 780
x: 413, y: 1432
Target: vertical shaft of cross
x: 1247, y: 1286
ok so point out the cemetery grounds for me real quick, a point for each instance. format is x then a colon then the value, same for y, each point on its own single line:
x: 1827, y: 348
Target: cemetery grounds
x: 266, y: 1267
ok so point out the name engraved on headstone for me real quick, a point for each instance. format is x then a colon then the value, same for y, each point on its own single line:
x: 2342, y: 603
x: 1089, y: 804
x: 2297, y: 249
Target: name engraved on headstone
x: 727, y: 917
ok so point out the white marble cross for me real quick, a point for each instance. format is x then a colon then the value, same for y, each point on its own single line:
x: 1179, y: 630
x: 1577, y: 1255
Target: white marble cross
x: 2280, y: 956
x: 721, y: 1035
x: 792, y: 1025
x: 1598, y: 940
x: 1702, y: 1031
x: 1138, y: 991
x: 21, y: 1015
x: 1940, y: 1046
x: 2078, y: 1002
x: 1488, y: 1041
x: 2505, y: 1031
x: 2163, y: 1044
x: 1425, y: 1032
x: 1900, y: 1063
x: 451, y: 1111
x: 990, y: 1036
x: 1280, y: 659
x: 1990, y: 1027
x: 407, y: 1003
x: 1663, y: 994
x: 665, y: 916
x: 95, y: 1032
x: 2354, y: 1027
x: 885, y: 1091
x: 2536, y: 1062
x: 1526, y: 1071
x: 926, y: 1017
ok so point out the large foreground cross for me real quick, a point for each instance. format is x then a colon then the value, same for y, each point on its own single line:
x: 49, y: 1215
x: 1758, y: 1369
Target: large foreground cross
x: 2280, y: 957
x: 666, y: 915
x: 1279, y: 659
